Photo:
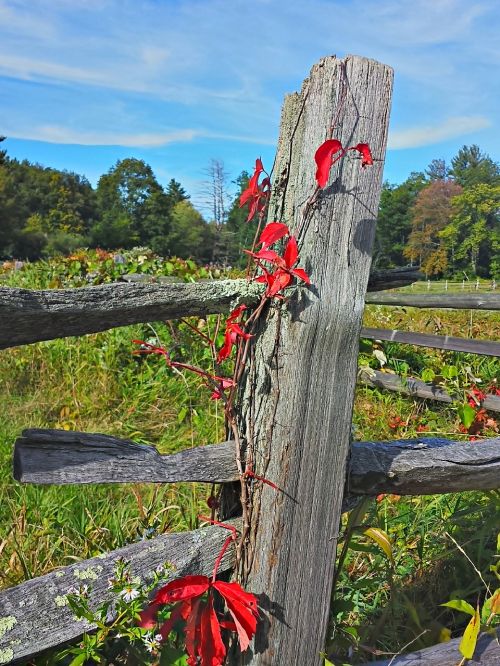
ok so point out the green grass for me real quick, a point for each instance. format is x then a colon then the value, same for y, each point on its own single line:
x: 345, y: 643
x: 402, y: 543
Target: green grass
x: 96, y: 384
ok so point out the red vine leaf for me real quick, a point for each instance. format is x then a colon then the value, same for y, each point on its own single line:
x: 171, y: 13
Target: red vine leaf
x: 366, y: 154
x: 233, y: 332
x: 323, y: 158
x: 272, y: 233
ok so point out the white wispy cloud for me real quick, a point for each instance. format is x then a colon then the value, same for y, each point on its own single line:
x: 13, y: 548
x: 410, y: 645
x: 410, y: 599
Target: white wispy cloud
x: 64, y: 135
x: 414, y: 137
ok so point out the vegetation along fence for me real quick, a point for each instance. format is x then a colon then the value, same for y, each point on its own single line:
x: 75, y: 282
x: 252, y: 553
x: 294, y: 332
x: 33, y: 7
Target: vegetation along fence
x: 295, y: 412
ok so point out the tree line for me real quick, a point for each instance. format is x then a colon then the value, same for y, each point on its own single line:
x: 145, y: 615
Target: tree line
x: 446, y: 219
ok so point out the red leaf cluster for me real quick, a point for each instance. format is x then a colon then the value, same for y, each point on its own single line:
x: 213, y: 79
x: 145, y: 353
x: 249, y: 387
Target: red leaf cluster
x: 233, y: 332
x: 257, y: 194
x: 202, y: 626
x: 332, y: 151
x: 284, y: 265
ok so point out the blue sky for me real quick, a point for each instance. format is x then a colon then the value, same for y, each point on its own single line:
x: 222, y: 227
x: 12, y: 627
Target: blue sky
x: 84, y: 83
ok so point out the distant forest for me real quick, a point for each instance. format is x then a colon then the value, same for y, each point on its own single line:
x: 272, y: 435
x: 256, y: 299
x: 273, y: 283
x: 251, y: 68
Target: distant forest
x: 446, y: 219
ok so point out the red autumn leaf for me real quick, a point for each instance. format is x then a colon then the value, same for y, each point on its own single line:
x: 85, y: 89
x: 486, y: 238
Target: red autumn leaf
x: 148, y: 616
x: 272, y: 233
x: 323, y: 158
x: 280, y: 280
x: 291, y: 253
x: 233, y: 331
x: 366, y: 154
x: 301, y: 274
x: 256, y: 195
x: 193, y: 631
x: 179, y: 612
x: 212, y: 649
x: 266, y: 255
x: 181, y: 589
x: 243, y: 609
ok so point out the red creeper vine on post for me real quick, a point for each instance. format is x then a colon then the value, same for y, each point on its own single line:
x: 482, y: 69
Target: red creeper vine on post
x: 192, y: 597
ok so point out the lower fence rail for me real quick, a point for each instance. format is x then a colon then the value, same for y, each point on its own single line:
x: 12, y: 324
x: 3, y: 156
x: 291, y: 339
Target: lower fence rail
x: 35, y: 616
x: 487, y: 653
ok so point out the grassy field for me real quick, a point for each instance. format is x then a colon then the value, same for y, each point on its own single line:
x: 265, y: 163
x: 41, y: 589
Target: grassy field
x: 95, y: 383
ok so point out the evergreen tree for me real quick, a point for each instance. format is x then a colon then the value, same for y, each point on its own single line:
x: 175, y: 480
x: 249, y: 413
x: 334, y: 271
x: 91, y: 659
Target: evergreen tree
x: 471, y: 167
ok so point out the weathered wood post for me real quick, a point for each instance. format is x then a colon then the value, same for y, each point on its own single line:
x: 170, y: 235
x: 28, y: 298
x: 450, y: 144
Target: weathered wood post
x: 299, y: 388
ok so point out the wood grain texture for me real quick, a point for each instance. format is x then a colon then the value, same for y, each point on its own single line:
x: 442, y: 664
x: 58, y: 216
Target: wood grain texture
x: 37, y: 613
x: 28, y: 315
x: 407, y: 467
x: 393, y: 278
x: 31, y: 316
x: 447, y: 342
x: 424, y: 466
x: 456, y: 301
x: 447, y: 654
x: 296, y: 407
x: 63, y: 457
x: 417, y: 388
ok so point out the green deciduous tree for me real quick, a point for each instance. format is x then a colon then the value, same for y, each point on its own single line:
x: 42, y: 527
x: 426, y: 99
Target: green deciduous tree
x: 189, y: 234
x: 129, y: 196
x: 473, y: 235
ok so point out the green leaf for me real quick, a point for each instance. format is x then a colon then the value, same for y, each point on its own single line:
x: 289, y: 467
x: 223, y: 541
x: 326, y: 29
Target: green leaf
x: 381, y: 538
x: 460, y: 605
x: 427, y: 375
x: 466, y: 414
x: 78, y: 660
x: 182, y: 414
x: 171, y: 656
x: 469, y: 639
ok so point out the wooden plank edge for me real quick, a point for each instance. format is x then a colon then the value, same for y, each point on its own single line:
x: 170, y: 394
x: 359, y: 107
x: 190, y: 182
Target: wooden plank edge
x: 444, y: 342
x: 416, y: 466
x: 36, y: 612
x: 439, y: 301
x: 487, y: 653
x: 424, y: 466
x: 69, y: 457
x: 416, y: 388
x: 28, y: 316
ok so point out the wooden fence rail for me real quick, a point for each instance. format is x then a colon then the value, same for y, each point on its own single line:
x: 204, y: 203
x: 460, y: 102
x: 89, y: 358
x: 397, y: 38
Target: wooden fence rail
x: 455, y: 301
x: 417, y: 388
x: 35, y: 615
x: 447, y: 654
x: 406, y: 467
x: 444, y: 342
x: 28, y: 315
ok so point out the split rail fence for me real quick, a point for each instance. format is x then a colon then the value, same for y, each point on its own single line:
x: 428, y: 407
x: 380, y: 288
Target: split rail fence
x: 295, y: 408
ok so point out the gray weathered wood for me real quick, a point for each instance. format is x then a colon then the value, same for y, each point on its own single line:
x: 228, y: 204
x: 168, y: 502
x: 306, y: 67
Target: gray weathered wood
x: 393, y: 278
x: 424, y: 466
x: 417, y: 388
x: 297, y: 397
x: 446, y: 342
x: 62, y: 457
x: 456, y: 301
x: 447, y: 654
x: 30, y: 316
x: 36, y: 612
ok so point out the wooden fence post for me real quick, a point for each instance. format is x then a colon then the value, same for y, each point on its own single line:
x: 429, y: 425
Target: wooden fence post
x: 298, y: 392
